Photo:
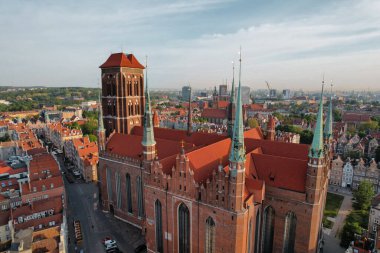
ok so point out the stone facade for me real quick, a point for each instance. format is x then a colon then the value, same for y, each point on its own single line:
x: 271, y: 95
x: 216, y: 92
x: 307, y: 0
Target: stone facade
x: 336, y: 172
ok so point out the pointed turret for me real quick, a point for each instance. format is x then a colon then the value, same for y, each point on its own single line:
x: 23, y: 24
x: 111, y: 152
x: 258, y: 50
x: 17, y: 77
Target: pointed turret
x: 316, y: 149
x: 101, y: 130
x: 231, y: 106
x: 315, y: 176
x: 156, y: 120
x: 189, y: 116
x: 271, y: 128
x: 148, y: 141
x: 327, y: 132
x: 237, y: 146
x: 237, y: 158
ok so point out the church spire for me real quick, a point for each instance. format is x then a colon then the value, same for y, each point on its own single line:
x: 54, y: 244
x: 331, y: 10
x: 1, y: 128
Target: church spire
x: 316, y: 149
x: 237, y: 153
x: 231, y: 106
x: 100, y: 113
x: 101, y: 130
x: 189, y: 116
x: 327, y: 133
x: 148, y: 135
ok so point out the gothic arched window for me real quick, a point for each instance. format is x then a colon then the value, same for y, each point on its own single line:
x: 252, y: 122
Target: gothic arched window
x: 257, y: 233
x: 129, y: 192
x: 140, y: 201
x: 118, y: 193
x: 109, y: 184
x: 249, y: 236
x: 290, y: 232
x: 158, y: 211
x: 268, y: 229
x: 184, y: 229
x: 210, y: 235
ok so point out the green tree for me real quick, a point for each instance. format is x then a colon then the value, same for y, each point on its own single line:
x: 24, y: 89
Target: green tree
x: 369, y: 125
x: 377, y: 154
x: 337, y: 115
x: 92, y: 137
x: 348, y: 233
x: 90, y: 126
x: 306, y: 137
x: 364, y: 195
x: 75, y: 125
x: 252, y: 123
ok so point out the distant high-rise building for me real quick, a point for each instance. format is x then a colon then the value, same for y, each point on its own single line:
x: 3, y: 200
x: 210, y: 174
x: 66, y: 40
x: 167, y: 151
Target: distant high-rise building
x: 223, y: 90
x: 286, y: 93
x: 272, y: 93
x: 186, y: 92
x: 245, y: 94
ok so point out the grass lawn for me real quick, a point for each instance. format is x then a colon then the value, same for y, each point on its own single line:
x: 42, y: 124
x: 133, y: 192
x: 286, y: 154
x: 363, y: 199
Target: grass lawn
x: 333, y: 203
x: 327, y: 223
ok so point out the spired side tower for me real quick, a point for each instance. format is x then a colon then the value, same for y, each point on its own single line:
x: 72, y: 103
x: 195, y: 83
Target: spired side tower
x: 237, y: 157
x: 122, y: 93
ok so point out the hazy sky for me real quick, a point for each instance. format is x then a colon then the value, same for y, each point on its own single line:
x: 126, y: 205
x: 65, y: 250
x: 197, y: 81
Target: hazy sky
x: 288, y: 43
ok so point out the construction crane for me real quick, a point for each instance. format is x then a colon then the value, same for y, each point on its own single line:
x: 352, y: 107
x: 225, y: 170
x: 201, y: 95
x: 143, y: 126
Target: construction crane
x: 268, y: 89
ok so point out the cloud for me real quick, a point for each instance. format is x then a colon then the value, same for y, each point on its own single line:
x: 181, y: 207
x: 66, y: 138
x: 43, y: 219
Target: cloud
x: 63, y: 43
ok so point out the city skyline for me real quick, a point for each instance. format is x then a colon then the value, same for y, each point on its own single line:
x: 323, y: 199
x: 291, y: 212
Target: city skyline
x: 289, y: 44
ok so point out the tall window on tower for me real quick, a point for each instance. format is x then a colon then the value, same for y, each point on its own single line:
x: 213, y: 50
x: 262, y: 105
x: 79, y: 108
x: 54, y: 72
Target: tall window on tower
x: 158, y: 211
x: 268, y: 230
x: 184, y: 229
x: 210, y: 235
x: 290, y: 232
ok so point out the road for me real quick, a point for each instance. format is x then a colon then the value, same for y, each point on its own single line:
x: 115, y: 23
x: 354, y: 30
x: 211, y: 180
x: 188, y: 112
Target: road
x: 82, y: 205
x: 331, y: 245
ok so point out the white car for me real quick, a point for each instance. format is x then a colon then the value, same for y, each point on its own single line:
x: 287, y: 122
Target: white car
x: 109, y: 243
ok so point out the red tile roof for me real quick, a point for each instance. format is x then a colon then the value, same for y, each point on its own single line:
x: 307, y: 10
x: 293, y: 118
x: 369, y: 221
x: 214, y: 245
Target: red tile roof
x: 122, y: 60
x: 214, y: 113
x: 355, y: 117
x: 196, y: 138
x: 40, y: 163
x: 118, y: 145
x: 282, y: 172
x: 222, y: 104
x: 49, y: 183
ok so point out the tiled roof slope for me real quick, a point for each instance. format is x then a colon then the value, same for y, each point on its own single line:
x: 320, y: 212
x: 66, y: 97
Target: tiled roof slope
x: 122, y: 60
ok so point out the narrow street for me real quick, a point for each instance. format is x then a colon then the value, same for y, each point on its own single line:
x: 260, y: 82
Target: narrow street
x: 82, y: 205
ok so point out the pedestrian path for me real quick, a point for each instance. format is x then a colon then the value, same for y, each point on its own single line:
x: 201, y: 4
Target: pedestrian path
x: 344, y: 210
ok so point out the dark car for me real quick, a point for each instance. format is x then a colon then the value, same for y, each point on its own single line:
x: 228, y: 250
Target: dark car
x: 140, y: 249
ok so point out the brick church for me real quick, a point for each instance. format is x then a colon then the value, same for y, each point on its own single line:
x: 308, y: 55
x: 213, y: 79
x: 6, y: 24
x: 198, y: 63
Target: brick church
x: 198, y: 192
